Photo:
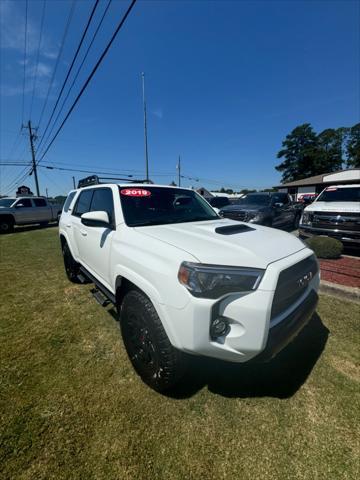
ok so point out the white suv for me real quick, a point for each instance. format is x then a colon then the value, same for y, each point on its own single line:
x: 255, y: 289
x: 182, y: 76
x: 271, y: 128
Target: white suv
x: 185, y: 280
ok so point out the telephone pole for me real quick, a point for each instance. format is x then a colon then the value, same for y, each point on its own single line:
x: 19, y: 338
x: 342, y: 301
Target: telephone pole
x: 33, y: 137
x: 145, y: 129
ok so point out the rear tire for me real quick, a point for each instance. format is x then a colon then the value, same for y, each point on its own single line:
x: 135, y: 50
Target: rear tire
x: 296, y: 221
x: 72, y: 268
x: 155, y: 360
x: 6, y: 226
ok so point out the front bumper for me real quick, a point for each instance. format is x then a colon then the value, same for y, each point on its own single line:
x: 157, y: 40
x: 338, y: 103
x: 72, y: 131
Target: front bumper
x: 345, y: 236
x: 282, y: 334
x: 249, y: 315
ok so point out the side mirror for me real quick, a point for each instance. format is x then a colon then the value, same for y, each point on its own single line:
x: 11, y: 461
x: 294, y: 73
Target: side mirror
x: 96, y: 219
x: 278, y: 204
x: 19, y: 205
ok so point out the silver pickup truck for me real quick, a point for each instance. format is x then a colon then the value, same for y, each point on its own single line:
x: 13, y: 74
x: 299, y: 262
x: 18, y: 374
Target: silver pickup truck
x: 26, y: 210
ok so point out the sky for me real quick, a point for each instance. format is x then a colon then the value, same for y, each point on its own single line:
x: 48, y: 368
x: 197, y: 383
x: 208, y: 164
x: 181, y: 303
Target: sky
x: 226, y: 81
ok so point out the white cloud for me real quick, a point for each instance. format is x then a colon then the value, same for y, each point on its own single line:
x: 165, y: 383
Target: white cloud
x: 12, y: 22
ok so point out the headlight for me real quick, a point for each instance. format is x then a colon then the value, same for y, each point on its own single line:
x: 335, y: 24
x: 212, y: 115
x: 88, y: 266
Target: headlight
x: 214, y: 281
x: 305, y: 219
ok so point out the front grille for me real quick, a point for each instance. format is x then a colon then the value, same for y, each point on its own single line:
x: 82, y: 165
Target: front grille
x: 240, y: 216
x: 292, y: 283
x: 336, y: 220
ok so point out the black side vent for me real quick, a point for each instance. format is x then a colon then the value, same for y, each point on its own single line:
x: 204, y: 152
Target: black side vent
x: 233, y: 229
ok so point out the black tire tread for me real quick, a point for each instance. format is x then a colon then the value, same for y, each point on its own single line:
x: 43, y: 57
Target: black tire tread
x: 173, y: 362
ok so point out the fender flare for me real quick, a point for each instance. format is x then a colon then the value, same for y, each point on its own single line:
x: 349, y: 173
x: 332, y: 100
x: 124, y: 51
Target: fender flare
x: 148, y: 289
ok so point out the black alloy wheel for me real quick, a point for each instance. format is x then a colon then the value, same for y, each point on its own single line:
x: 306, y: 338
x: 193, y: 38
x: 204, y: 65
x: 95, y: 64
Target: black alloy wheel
x: 153, y: 357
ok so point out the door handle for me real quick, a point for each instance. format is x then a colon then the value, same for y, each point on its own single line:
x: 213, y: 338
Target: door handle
x: 83, y: 233
x: 68, y: 225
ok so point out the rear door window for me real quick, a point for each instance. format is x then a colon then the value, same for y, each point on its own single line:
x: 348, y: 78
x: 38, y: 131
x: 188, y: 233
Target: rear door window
x: 83, y: 203
x: 39, y: 202
x: 103, y: 201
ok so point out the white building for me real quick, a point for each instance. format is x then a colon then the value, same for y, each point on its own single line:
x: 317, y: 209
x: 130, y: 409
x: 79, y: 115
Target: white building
x: 314, y: 185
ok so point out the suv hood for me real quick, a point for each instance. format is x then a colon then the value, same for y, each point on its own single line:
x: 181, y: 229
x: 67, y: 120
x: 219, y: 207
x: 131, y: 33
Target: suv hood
x: 256, y: 248
x: 333, y: 207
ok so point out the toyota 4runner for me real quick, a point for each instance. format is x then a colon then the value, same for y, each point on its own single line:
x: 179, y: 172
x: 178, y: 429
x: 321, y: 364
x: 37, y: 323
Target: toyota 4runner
x: 185, y: 280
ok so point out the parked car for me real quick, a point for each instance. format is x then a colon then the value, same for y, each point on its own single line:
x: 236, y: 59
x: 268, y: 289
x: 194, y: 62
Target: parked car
x: 272, y: 209
x: 183, y: 279
x: 307, y: 198
x: 26, y: 210
x: 335, y: 213
x: 219, y: 202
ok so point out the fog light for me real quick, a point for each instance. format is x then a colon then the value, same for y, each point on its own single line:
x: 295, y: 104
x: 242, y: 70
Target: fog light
x: 219, y: 327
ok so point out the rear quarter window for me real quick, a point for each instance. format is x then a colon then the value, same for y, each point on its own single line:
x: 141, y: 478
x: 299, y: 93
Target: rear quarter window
x: 68, y: 201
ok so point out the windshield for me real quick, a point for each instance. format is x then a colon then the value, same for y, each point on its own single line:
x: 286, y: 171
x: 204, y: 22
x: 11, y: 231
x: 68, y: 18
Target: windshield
x: 253, y: 199
x: 160, y: 205
x: 6, y: 202
x: 333, y: 194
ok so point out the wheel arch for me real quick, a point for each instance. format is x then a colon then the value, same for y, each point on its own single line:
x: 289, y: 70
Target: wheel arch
x: 123, y: 285
x: 7, y: 216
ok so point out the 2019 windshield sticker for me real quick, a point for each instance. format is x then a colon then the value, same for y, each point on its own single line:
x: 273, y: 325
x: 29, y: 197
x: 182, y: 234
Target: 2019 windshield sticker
x: 135, y: 192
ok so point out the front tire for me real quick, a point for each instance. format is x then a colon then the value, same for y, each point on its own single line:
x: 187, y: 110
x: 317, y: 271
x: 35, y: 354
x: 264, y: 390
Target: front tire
x: 155, y: 360
x: 6, y: 226
x: 72, y: 268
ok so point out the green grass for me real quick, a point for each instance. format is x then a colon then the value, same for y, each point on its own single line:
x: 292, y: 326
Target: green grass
x: 71, y: 406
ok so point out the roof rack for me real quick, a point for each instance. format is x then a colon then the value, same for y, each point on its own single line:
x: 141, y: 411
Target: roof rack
x: 95, y: 180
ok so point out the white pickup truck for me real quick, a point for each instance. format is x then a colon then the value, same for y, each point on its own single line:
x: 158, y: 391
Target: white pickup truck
x: 26, y: 210
x: 185, y: 280
x: 335, y: 213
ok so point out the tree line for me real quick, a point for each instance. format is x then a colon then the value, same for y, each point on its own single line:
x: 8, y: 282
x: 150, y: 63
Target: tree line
x: 307, y: 153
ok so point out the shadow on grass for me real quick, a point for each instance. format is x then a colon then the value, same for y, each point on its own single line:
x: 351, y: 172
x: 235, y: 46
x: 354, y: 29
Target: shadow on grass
x: 279, y: 378
x: 29, y: 228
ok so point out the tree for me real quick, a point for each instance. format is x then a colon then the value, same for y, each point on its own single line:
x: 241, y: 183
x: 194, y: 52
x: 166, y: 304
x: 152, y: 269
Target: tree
x: 353, y: 147
x: 244, y: 191
x: 300, y: 148
x: 330, y: 143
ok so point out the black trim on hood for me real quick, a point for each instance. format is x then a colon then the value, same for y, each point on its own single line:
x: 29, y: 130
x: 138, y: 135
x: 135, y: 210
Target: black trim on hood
x: 233, y: 229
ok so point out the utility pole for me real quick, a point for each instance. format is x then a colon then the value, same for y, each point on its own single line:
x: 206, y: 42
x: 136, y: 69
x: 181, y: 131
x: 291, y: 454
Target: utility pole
x: 74, y: 183
x: 179, y: 171
x: 33, y: 137
x: 145, y: 129
x: 47, y: 193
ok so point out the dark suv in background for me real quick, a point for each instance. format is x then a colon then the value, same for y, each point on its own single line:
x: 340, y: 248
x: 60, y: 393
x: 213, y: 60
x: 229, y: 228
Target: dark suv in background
x: 264, y: 208
x: 219, y: 202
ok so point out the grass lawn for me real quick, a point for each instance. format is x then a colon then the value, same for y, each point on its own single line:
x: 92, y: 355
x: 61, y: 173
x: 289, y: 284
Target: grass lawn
x: 71, y: 406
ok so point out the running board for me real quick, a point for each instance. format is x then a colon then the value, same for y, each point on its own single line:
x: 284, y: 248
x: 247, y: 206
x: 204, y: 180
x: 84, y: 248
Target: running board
x: 99, y: 297
x: 99, y: 286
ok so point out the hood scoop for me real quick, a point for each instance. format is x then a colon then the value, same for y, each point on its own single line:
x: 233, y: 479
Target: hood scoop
x: 233, y: 229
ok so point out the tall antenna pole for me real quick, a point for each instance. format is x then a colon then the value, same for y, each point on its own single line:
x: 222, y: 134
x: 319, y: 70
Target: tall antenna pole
x: 145, y: 129
x: 179, y: 171
x: 32, y: 138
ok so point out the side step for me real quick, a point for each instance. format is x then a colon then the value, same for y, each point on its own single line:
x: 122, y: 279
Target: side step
x: 81, y: 278
x: 101, y: 292
x: 99, y: 297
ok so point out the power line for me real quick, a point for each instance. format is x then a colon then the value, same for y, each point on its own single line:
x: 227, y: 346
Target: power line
x: 72, y: 64
x: 25, y: 60
x: 18, y: 179
x: 122, y: 21
x: 58, y: 58
x: 77, y: 74
x: 50, y: 167
x: 37, y: 57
